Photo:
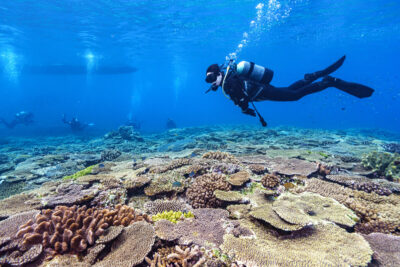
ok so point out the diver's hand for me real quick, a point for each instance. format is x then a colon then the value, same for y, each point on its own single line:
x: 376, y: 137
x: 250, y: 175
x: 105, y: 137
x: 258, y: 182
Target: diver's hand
x: 249, y: 111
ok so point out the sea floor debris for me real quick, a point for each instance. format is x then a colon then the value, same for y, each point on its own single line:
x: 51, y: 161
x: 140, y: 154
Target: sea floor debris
x: 257, y: 198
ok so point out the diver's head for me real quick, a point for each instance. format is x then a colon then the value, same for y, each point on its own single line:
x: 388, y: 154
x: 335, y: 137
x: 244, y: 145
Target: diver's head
x: 214, y: 75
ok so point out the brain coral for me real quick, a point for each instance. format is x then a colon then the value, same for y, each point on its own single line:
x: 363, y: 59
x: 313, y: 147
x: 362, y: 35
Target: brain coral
x: 201, y: 193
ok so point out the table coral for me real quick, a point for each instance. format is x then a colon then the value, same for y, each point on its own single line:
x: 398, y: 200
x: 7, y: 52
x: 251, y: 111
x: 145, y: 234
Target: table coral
x: 267, y: 214
x: 239, y: 178
x: 386, y: 248
x: 308, y: 208
x: 228, y: 196
x: 201, y: 193
x: 206, y: 229
x: 325, y: 245
x: 131, y: 247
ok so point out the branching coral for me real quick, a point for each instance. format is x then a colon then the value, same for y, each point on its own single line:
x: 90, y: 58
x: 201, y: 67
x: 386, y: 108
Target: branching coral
x: 72, y: 229
x: 201, y: 192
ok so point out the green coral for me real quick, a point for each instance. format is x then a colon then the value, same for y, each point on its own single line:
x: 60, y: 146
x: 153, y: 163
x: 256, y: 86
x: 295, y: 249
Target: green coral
x: 250, y: 189
x: 172, y: 216
x: 80, y: 173
x: 383, y: 163
x: 323, y: 154
x: 393, y: 170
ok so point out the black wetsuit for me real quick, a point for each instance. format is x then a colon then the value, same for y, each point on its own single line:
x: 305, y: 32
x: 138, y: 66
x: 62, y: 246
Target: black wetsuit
x: 242, y: 92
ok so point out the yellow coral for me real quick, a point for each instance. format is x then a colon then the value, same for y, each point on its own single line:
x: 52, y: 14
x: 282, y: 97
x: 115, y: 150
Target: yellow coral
x: 172, y: 216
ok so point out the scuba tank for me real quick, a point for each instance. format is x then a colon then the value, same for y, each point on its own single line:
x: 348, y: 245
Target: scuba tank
x: 253, y: 72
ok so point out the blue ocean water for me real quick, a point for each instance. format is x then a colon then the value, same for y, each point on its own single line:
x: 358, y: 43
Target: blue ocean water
x: 171, y: 43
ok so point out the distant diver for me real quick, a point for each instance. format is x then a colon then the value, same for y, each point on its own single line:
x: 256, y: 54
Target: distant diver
x: 75, y: 124
x: 170, y: 124
x: 22, y: 117
x: 247, y: 82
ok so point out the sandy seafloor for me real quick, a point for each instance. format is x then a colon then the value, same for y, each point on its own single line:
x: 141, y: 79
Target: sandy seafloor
x: 203, y: 196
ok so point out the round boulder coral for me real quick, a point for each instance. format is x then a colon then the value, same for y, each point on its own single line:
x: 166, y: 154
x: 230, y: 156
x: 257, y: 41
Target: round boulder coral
x: 201, y: 193
x: 270, y: 181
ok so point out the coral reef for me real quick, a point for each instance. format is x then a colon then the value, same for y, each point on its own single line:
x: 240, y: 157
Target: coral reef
x: 159, y: 206
x: 201, y: 193
x: 310, y: 208
x: 172, y: 216
x: 131, y: 247
x: 17, y: 204
x: 69, y: 194
x: 239, y: 178
x: 173, y: 165
x: 80, y: 173
x: 377, y: 213
x: 72, y: 229
x: 383, y: 163
x: 207, y: 228
x: 257, y: 169
x: 290, y: 167
x: 165, y: 183
x: 10, y: 226
x: 270, y: 181
x: 324, y: 245
x: 177, y: 256
x: 267, y: 214
x: 228, y: 196
x: 392, y: 147
x: 18, y: 258
x: 386, y: 248
x: 110, y: 154
x: 221, y: 156
x: 380, y: 187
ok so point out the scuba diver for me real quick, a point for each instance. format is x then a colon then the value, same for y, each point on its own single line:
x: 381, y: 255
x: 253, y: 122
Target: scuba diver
x: 75, y: 124
x: 22, y: 117
x: 246, y: 82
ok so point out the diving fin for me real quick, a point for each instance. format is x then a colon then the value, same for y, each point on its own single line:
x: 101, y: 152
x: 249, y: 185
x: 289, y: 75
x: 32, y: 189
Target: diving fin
x: 355, y: 89
x: 319, y: 74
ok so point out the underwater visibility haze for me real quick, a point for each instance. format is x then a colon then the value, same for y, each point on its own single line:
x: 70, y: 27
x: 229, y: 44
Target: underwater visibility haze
x: 111, y: 152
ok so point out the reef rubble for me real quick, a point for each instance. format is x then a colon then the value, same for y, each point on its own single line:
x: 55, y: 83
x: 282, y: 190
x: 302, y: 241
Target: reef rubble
x: 214, y: 197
